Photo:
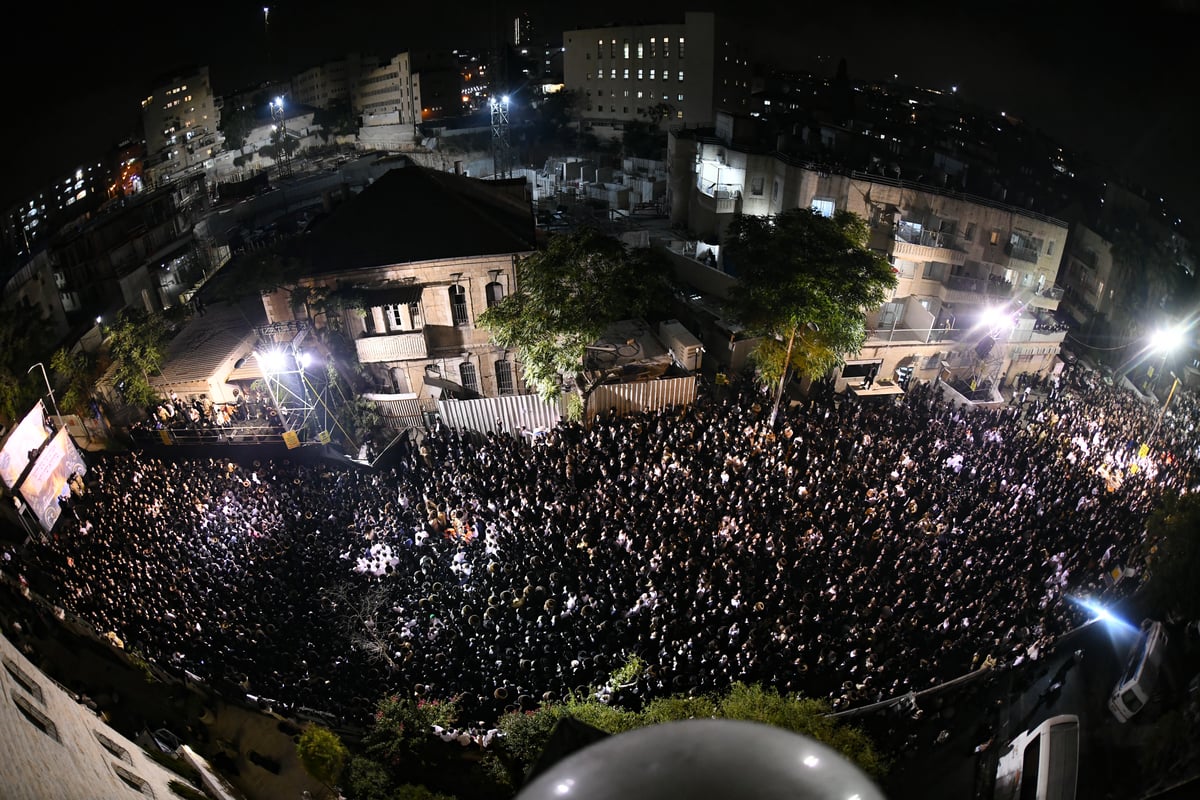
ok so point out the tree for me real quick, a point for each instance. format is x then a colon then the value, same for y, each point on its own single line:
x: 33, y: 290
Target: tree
x: 135, y: 343
x: 19, y: 336
x: 805, y: 283
x: 1173, y: 556
x: 236, y: 124
x: 76, y: 370
x: 337, y: 120
x: 567, y: 295
x: 527, y: 733
x: 322, y: 753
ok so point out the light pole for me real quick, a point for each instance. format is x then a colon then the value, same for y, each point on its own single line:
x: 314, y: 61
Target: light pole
x: 49, y: 389
x: 1162, y: 413
x: 285, y: 157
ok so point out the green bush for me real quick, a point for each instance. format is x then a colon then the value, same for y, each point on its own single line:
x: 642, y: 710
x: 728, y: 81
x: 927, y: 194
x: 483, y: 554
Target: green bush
x: 322, y: 753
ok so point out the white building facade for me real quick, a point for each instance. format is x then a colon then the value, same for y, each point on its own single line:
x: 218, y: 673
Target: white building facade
x: 180, y: 120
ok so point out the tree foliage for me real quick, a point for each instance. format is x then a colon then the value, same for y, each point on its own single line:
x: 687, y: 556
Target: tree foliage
x: 805, y: 283
x: 19, y: 339
x: 322, y: 753
x: 1173, y: 555
x: 337, y: 120
x: 567, y: 295
x: 525, y: 734
x: 236, y: 124
x: 76, y: 373
x: 136, y: 344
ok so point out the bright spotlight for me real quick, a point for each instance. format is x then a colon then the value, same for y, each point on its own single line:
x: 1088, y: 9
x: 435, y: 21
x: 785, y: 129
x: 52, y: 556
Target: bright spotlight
x: 1101, y: 613
x: 279, y: 102
x: 504, y: 99
x: 271, y: 361
x: 996, y: 317
x: 305, y: 359
x: 1167, y: 340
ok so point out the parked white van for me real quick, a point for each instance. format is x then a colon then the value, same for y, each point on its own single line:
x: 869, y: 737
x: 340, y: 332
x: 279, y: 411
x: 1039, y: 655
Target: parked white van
x: 1042, y: 763
x: 1141, y: 672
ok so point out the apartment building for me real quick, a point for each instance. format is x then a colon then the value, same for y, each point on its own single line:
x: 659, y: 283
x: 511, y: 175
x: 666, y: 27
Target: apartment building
x: 411, y: 262
x: 385, y: 94
x: 333, y: 82
x: 677, y: 74
x: 57, y: 747
x: 978, y: 280
x: 179, y: 118
x: 30, y: 222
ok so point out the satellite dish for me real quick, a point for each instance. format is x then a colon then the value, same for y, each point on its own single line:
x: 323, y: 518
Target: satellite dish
x: 704, y: 759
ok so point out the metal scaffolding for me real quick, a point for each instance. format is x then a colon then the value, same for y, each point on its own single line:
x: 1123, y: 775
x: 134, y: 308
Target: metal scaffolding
x: 501, y: 144
x: 304, y: 395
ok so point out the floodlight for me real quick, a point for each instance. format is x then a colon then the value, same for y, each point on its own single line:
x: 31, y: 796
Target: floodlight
x: 504, y: 99
x: 1167, y: 340
x: 305, y: 359
x: 271, y: 361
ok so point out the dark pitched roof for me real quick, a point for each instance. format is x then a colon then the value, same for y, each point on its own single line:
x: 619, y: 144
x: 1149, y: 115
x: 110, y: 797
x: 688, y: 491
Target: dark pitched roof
x: 413, y: 214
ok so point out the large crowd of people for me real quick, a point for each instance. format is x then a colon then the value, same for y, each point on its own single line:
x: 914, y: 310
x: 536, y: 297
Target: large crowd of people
x: 854, y: 551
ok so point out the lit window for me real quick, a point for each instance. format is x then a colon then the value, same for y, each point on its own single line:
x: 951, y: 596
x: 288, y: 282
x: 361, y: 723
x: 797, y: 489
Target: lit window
x: 640, y: 49
x: 612, y: 74
x: 666, y: 47
x: 823, y: 207
x: 639, y: 74
x: 626, y: 46
x: 652, y: 47
x: 679, y: 97
x: 627, y: 73
x: 600, y: 49
x: 681, y: 76
x: 652, y: 74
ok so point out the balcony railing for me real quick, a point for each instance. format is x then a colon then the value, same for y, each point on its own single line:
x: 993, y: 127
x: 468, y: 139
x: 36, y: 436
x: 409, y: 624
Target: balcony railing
x: 1023, y: 253
x: 919, y: 252
x: 403, y: 346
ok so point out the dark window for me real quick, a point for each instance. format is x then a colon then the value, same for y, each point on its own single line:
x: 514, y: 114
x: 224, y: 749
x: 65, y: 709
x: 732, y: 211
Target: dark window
x: 495, y: 293
x: 468, y: 376
x: 113, y: 747
x: 133, y: 781
x: 414, y: 311
x: 36, y: 718
x: 24, y: 681
x: 458, y: 305
x: 504, y: 377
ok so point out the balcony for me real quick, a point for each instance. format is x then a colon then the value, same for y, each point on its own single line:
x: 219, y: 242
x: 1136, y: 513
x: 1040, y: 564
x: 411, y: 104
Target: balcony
x: 964, y: 289
x: 721, y: 198
x: 926, y: 246
x: 1046, y: 298
x: 401, y: 346
x: 1022, y: 253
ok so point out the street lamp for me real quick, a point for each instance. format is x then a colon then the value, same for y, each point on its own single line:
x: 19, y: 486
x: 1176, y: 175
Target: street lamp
x: 49, y: 389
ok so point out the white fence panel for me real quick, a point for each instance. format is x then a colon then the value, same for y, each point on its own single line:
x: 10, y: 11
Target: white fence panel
x: 508, y: 414
x: 631, y: 398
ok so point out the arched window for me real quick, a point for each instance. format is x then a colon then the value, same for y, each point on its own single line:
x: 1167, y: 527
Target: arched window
x: 468, y: 376
x: 504, y: 377
x: 458, y: 305
x: 495, y: 293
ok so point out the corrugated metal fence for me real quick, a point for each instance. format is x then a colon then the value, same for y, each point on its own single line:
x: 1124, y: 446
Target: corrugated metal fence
x: 508, y: 414
x: 630, y: 398
x: 401, y: 412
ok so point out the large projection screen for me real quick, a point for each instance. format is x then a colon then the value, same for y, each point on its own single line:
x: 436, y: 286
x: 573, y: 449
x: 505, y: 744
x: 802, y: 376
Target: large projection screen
x: 29, y: 435
x: 47, y: 481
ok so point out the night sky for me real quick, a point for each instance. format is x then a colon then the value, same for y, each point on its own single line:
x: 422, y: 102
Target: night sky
x: 1116, y: 82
